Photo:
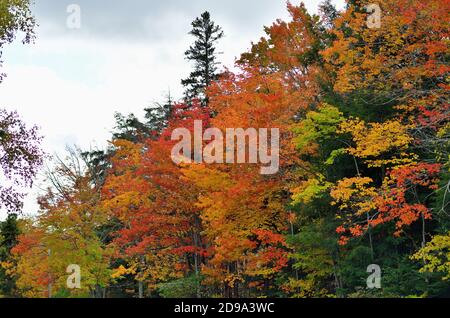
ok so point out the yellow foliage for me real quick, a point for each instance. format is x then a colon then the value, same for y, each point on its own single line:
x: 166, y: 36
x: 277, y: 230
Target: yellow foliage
x: 436, y: 255
x: 355, y: 194
x: 375, y: 142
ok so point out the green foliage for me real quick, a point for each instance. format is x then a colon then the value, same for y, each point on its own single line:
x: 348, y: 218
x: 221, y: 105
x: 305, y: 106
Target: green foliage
x: 318, y: 126
x: 182, y: 288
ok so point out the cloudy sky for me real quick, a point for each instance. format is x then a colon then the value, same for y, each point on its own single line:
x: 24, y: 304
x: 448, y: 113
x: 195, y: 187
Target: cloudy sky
x: 125, y: 56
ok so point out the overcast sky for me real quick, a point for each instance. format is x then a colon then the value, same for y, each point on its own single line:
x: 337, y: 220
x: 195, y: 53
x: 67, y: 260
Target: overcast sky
x: 125, y: 56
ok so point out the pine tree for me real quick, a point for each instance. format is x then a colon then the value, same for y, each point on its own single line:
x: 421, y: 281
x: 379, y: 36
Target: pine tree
x: 203, y: 54
x: 158, y: 116
x: 131, y: 128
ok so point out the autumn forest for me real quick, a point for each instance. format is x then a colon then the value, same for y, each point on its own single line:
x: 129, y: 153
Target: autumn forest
x: 359, y: 207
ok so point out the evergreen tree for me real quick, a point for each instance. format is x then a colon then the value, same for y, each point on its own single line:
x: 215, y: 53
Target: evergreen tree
x: 97, y: 162
x: 158, y: 116
x: 133, y: 129
x: 129, y: 128
x: 203, y: 54
x: 9, y: 232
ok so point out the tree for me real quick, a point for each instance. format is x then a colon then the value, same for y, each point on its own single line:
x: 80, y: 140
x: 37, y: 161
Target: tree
x: 243, y: 212
x: 20, y: 156
x: 158, y: 116
x: 65, y: 233
x: 160, y: 240
x: 130, y: 128
x: 435, y: 255
x: 20, y: 159
x: 15, y: 16
x: 390, y: 83
x: 203, y: 54
x: 133, y: 129
x: 9, y: 232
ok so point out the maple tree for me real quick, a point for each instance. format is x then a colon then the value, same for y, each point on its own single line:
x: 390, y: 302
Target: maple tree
x: 435, y: 255
x: 65, y: 233
x: 161, y: 233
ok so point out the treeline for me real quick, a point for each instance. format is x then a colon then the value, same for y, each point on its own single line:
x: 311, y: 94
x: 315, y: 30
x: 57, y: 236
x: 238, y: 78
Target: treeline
x: 364, y: 173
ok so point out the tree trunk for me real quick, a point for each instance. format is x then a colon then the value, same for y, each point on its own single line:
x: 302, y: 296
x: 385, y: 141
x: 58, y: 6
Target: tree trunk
x: 141, y: 289
x: 197, y: 244
x: 370, y: 237
x: 50, y: 278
